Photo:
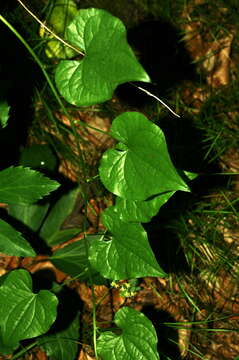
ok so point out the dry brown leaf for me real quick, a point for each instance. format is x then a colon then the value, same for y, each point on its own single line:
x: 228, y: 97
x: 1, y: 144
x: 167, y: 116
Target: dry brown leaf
x: 86, y: 353
x: 214, y: 55
x: 101, y: 293
x: 220, y: 62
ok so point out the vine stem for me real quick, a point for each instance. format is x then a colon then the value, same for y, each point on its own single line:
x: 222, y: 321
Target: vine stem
x: 23, y: 351
x: 94, y: 322
x: 83, y: 54
x: 49, y: 30
x: 40, y: 64
x: 52, y: 87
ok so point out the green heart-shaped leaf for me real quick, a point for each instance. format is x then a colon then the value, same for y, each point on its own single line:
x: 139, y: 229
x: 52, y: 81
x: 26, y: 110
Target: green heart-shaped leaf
x: 138, y: 340
x: 108, y: 61
x: 143, y: 211
x: 127, y: 254
x: 140, y: 211
x: 23, y: 314
x: 139, y: 166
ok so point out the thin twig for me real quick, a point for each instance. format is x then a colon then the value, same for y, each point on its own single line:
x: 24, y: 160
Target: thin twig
x: 155, y: 97
x: 49, y: 30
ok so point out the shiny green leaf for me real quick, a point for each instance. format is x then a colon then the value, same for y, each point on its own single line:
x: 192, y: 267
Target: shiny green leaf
x: 72, y: 259
x: 19, y: 185
x: 138, y: 340
x: 125, y: 255
x: 143, y: 211
x: 6, y: 349
x: 140, y: 211
x: 12, y: 243
x: 31, y: 215
x: 108, y: 61
x: 23, y: 314
x: 63, y: 344
x: 50, y: 230
x: 140, y: 165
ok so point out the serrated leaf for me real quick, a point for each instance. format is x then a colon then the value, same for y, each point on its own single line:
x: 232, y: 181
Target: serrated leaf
x: 59, y: 212
x: 127, y: 254
x: 4, y: 113
x: 23, y: 314
x: 72, y: 259
x: 108, y: 61
x: 12, y: 243
x: 19, y: 185
x: 31, y: 215
x: 140, y: 211
x: 138, y: 340
x: 140, y: 165
x: 62, y: 345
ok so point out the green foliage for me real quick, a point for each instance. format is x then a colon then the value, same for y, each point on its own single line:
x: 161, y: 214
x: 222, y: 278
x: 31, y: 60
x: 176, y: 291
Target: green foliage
x: 48, y: 224
x: 60, y: 15
x: 23, y: 314
x: 51, y: 230
x: 140, y: 211
x: 19, y: 185
x: 126, y: 254
x: 127, y: 289
x: 4, y: 113
x: 93, y: 79
x: 12, y: 243
x: 138, y: 171
x: 137, y: 341
x: 62, y: 345
x: 72, y: 259
x: 139, y: 166
x: 23, y: 186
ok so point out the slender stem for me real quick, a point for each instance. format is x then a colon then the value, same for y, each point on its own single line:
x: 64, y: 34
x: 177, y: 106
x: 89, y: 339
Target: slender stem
x: 23, y: 351
x: 49, y: 30
x: 52, y: 87
x: 84, y: 181
x: 94, y: 322
x: 39, y: 63
x: 42, y: 66
x: 81, y: 53
x: 157, y: 98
